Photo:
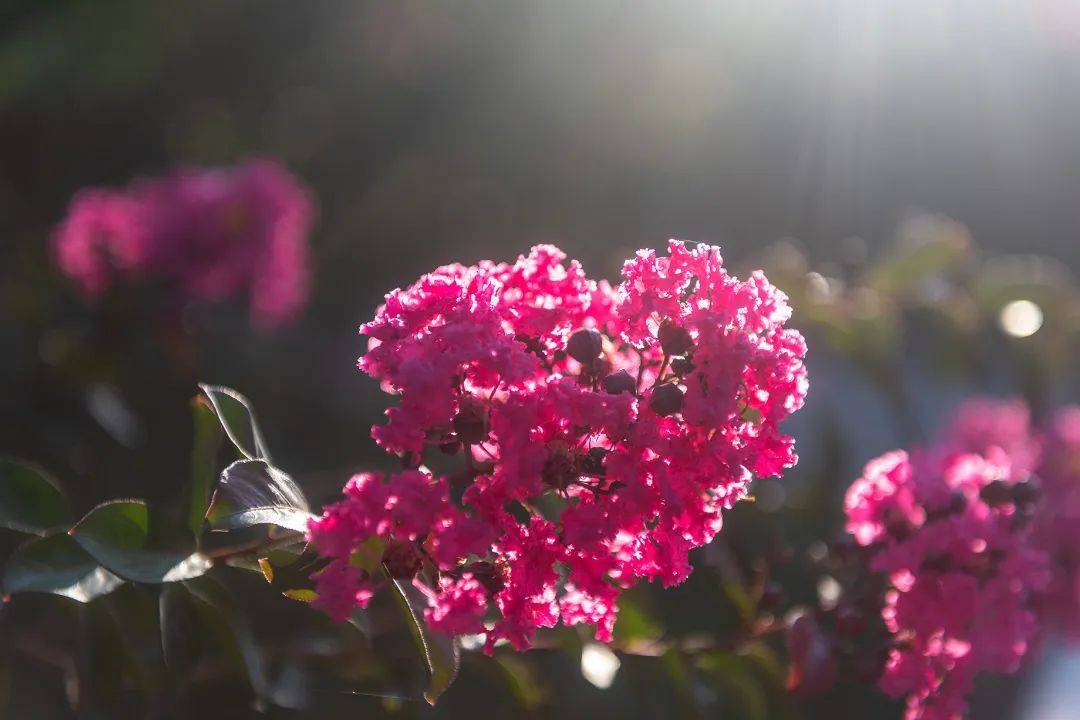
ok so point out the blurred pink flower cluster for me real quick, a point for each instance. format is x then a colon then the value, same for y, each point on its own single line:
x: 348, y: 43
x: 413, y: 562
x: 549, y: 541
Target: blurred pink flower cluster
x: 598, y: 433
x: 978, y: 537
x: 204, y: 234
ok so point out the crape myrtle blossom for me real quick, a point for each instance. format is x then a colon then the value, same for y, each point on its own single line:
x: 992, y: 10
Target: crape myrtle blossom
x: 204, y: 234
x: 952, y: 532
x: 600, y: 434
x: 1003, y: 428
x: 1057, y: 525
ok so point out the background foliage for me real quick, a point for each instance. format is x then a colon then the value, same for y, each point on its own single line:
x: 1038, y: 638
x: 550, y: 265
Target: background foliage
x: 434, y: 132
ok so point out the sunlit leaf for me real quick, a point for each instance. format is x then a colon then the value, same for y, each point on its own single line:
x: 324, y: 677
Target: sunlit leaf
x: 57, y: 564
x: 30, y: 500
x: 203, y: 462
x: 440, y: 652
x: 521, y: 678
x: 300, y: 595
x: 926, y: 245
x: 634, y: 622
x: 116, y: 534
x: 253, y: 492
x: 369, y: 555
x: 742, y: 687
x: 236, y: 416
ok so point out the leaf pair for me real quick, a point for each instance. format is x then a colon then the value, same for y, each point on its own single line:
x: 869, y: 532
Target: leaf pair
x: 31, y: 502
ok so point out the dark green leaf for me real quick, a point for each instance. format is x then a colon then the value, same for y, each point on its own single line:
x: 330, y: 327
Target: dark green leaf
x: 56, y: 564
x: 116, y: 534
x: 440, y: 652
x: 203, y: 462
x: 735, y: 674
x: 253, y: 492
x: 180, y: 631
x: 30, y: 500
x: 135, y: 611
x: 223, y: 610
x: 235, y: 414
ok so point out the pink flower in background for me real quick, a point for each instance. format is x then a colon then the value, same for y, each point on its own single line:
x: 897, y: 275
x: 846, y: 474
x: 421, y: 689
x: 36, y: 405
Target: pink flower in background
x: 952, y: 533
x: 996, y: 428
x: 1058, y: 522
x: 600, y: 432
x: 205, y: 234
x: 1002, y: 429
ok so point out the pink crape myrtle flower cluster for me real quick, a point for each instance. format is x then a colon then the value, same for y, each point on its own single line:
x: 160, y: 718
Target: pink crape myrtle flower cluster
x: 205, y: 234
x: 956, y: 531
x: 599, y: 434
x: 1003, y: 429
x: 1057, y: 527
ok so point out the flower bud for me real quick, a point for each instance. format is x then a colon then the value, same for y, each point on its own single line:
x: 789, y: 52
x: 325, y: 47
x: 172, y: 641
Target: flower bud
x: 674, y: 339
x: 682, y: 365
x: 471, y: 422
x: 666, y: 399
x: 850, y: 622
x: 996, y: 493
x: 585, y: 345
x: 620, y: 382
x: 592, y: 462
x: 401, y: 560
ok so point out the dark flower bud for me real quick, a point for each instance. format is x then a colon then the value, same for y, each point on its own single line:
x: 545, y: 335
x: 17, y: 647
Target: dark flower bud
x: 450, y: 446
x: 897, y: 525
x: 559, y: 470
x: 996, y: 493
x: 471, y: 422
x: 1025, y: 493
x: 812, y: 670
x: 681, y: 365
x: 844, y: 549
x: 585, y: 345
x: 620, y: 382
x: 592, y: 462
x: 666, y: 399
x: 771, y: 597
x: 937, y: 562
x: 850, y: 622
x: 402, y: 560
x: 674, y: 339
x: 487, y: 574
x: 870, y: 664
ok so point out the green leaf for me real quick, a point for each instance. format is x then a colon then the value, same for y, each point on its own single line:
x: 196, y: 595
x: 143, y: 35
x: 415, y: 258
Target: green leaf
x: 57, y: 564
x: 116, y: 534
x: 203, y: 462
x: 180, y: 631
x: 236, y: 416
x: 736, y: 676
x: 300, y: 595
x: 253, y: 492
x: 135, y: 612
x: 224, y: 611
x: 440, y: 652
x: 30, y: 500
x: 635, y: 622
x: 369, y: 555
x: 522, y: 681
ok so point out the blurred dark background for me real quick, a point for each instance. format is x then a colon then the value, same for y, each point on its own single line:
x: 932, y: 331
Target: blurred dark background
x: 808, y: 137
